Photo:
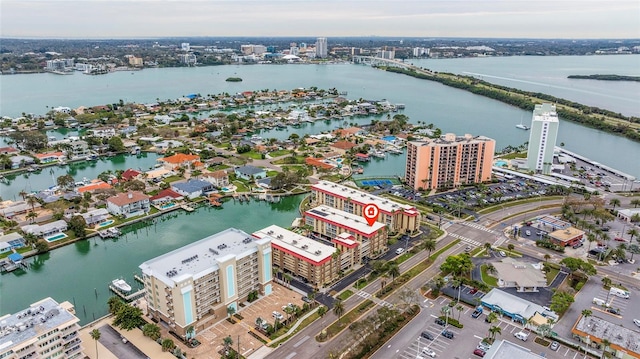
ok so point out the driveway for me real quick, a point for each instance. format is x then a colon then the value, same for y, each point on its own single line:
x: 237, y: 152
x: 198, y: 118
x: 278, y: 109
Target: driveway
x: 111, y: 340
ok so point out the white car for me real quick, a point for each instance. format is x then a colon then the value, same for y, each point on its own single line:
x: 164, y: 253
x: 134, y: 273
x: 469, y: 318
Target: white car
x: 636, y: 322
x: 399, y: 250
x: 428, y: 352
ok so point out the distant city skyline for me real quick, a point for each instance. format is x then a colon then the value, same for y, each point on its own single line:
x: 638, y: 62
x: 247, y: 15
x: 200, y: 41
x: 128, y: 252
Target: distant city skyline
x: 567, y: 19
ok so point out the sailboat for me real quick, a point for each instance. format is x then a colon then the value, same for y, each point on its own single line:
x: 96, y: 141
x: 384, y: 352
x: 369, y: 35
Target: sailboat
x: 522, y: 126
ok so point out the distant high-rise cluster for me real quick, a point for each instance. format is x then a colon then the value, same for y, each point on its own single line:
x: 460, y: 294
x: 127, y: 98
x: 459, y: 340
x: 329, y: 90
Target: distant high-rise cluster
x: 321, y: 47
x: 542, y: 139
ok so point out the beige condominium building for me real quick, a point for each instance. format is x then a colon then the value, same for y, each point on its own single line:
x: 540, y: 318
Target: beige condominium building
x: 194, y: 285
x: 45, y: 329
x: 348, y: 230
x: 309, y: 260
x: 449, y: 161
x: 399, y: 217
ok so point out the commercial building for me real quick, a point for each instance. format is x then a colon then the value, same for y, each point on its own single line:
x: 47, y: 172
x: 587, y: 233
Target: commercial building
x: 303, y: 257
x: 623, y: 342
x: 504, y: 349
x: 44, y: 330
x: 397, y: 216
x: 321, y: 47
x: 542, y: 138
x: 329, y: 223
x: 526, y: 277
x: 514, y: 307
x: 449, y: 161
x: 566, y: 237
x: 194, y: 285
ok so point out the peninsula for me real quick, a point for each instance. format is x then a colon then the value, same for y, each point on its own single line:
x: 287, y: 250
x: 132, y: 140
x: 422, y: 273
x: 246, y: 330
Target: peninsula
x: 605, y: 77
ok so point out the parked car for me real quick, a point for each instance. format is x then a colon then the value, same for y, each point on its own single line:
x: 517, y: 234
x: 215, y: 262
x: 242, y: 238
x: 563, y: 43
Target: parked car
x: 578, y: 245
x: 306, y: 299
x: 479, y: 352
x: 527, y: 232
x: 473, y: 291
x: 428, y: 352
x: 522, y: 336
x: 502, y: 254
x: 554, y: 346
x: 447, y: 334
x: 483, y: 346
x: 425, y: 334
x: 399, y: 250
x: 636, y: 322
x: 615, y: 311
x: 277, y: 315
x: 619, y: 239
x: 440, y: 322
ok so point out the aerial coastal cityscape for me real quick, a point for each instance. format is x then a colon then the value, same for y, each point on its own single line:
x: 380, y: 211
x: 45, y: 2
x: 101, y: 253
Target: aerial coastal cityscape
x: 318, y: 197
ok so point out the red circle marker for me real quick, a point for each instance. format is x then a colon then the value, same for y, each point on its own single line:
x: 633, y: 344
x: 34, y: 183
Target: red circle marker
x: 370, y: 212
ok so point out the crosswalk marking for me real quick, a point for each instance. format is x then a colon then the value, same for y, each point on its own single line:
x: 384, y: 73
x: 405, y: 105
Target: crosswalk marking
x: 478, y: 226
x: 380, y: 302
x: 465, y: 239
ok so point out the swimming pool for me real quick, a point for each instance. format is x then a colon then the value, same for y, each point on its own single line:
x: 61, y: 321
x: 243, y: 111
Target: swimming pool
x: 56, y: 237
x: 231, y: 188
x: 106, y: 223
x: 339, y: 160
x: 389, y: 138
x: 501, y: 163
x: 167, y: 205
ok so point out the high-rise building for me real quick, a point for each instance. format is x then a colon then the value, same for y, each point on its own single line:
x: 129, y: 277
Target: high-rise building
x: 194, y: 285
x: 542, y: 138
x: 301, y: 256
x: 399, y: 217
x: 321, y: 47
x: 44, y: 330
x: 449, y: 161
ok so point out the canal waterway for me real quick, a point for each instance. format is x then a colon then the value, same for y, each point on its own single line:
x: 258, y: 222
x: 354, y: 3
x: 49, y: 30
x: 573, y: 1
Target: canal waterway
x: 12, y: 184
x: 450, y: 109
x: 81, y: 272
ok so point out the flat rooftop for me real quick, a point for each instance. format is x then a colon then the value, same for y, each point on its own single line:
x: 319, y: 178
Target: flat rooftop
x: 344, y: 219
x: 524, y: 274
x: 304, y: 247
x: 554, y: 222
x: 594, y: 326
x: 504, y: 349
x: 358, y: 196
x: 566, y: 234
x: 202, y: 257
x: 39, y: 318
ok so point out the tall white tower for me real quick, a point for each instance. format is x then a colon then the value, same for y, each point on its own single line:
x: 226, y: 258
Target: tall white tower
x: 542, y: 139
x: 321, y: 47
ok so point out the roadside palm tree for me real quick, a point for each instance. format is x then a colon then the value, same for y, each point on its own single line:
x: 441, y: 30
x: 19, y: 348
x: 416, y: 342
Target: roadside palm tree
x: 493, y: 330
x: 167, y: 345
x: 492, y: 317
x: 614, y: 202
x: 547, y: 256
x: 394, y: 271
x: 459, y: 308
x: 487, y: 246
x: 338, y: 308
x: 633, y: 233
x: 635, y: 202
x: 95, y: 335
x: 429, y: 245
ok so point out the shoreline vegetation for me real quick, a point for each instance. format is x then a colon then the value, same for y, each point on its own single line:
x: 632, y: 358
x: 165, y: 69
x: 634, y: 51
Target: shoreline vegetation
x: 590, y: 116
x: 605, y: 77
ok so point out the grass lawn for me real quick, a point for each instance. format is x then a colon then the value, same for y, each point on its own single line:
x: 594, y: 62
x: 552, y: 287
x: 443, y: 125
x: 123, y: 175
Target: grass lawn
x: 511, y: 156
x: 551, y: 275
x: 332, y: 177
x: 487, y: 278
x: 344, y: 295
x: 252, y: 154
x: 242, y: 187
x: 19, y: 250
x: 279, y: 153
x: 237, y: 161
x: 272, y: 173
x: 218, y: 167
x: 224, y: 145
x: 173, y: 179
x: 284, y: 161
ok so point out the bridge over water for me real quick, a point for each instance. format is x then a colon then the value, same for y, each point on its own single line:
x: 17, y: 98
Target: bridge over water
x: 379, y: 61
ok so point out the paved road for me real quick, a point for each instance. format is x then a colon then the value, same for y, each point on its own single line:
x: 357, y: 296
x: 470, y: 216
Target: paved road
x: 111, y: 339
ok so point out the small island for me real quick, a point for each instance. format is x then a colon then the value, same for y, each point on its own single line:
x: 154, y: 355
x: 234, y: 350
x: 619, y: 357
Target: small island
x: 234, y: 79
x: 605, y: 77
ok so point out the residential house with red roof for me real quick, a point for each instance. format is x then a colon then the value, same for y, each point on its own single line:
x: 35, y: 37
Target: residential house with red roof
x: 129, y: 204
x: 342, y: 146
x: 181, y: 160
x: 50, y: 157
x: 130, y: 174
x: 166, y: 195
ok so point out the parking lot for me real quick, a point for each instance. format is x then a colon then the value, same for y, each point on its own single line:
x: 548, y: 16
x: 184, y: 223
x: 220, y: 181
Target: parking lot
x: 263, y: 308
x: 467, y: 339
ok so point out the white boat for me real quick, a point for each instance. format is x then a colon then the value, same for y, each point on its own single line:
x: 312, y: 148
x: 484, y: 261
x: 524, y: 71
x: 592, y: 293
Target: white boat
x: 378, y: 154
x: 121, y: 285
x: 522, y: 127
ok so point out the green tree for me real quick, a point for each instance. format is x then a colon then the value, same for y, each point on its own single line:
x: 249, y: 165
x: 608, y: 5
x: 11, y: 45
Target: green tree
x: 322, y: 311
x: 493, y: 331
x: 338, y: 308
x: 115, y: 144
x: 393, y: 271
x: 227, y: 342
x: 635, y: 202
x: 560, y: 301
x: 78, y: 225
x: 492, y: 317
x: 128, y: 317
x: 457, y: 264
x: 586, y: 313
x: 614, y: 202
x: 65, y: 181
x: 168, y: 345
x: 151, y: 330
x: 42, y: 246
x: 429, y: 245
x: 95, y: 335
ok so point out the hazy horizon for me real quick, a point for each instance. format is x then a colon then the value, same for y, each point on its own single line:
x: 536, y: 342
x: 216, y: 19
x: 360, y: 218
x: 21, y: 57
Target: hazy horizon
x: 149, y: 19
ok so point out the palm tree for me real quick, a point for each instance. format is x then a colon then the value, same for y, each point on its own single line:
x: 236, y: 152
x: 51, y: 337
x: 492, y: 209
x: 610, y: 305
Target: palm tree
x: 586, y: 313
x: 167, y: 345
x: 95, y: 335
x: 338, y: 308
x: 614, y: 202
x: 633, y: 233
x: 605, y: 344
x: 547, y: 256
x: 492, y: 317
x: 151, y: 330
x: 227, y: 342
x: 635, y: 202
x: 429, y: 245
x: 394, y: 271
x: 459, y: 308
x: 23, y: 194
x: 487, y: 246
x: 493, y: 330
x: 31, y: 201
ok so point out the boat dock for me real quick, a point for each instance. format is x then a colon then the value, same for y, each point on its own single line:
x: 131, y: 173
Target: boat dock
x: 187, y: 208
x: 109, y: 233
x: 129, y: 297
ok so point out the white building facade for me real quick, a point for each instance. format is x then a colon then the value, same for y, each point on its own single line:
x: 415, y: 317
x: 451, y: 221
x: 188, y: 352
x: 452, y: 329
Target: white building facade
x: 542, y: 138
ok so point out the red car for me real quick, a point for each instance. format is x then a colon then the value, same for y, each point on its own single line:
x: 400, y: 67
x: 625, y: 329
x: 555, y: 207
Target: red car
x: 619, y: 239
x: 473, y: 291
x: 479, y: 352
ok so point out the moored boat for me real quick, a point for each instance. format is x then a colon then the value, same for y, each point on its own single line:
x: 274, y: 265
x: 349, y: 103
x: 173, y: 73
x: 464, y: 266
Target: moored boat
x: 120, y: 284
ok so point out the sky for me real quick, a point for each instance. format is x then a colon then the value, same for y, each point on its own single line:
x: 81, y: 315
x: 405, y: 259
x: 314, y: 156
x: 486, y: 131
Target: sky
x: 567, y: 19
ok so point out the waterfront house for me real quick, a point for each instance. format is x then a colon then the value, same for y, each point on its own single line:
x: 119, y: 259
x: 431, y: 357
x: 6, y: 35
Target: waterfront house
x: 11, y: 241
x: 94, y: 216
x: 218, y: 178
x: 130, y: 174
x: 167, y: 144
x: 163, y: 119
x: 95, y: 185
x: 21, y: 161
x: 264, y: 183
x: 9, y: 209
x: 79, y: 148
x: 45, y: 230
x: 192, y: 188
x: 166, y: 195
x: 250, y: 172
x: 8, y: 151
x: 50, y: 157
x: 348, y: 132
x: 181, y: 160
x: 342, y: 146
x: 128, y: 204
x: 103, y: 132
